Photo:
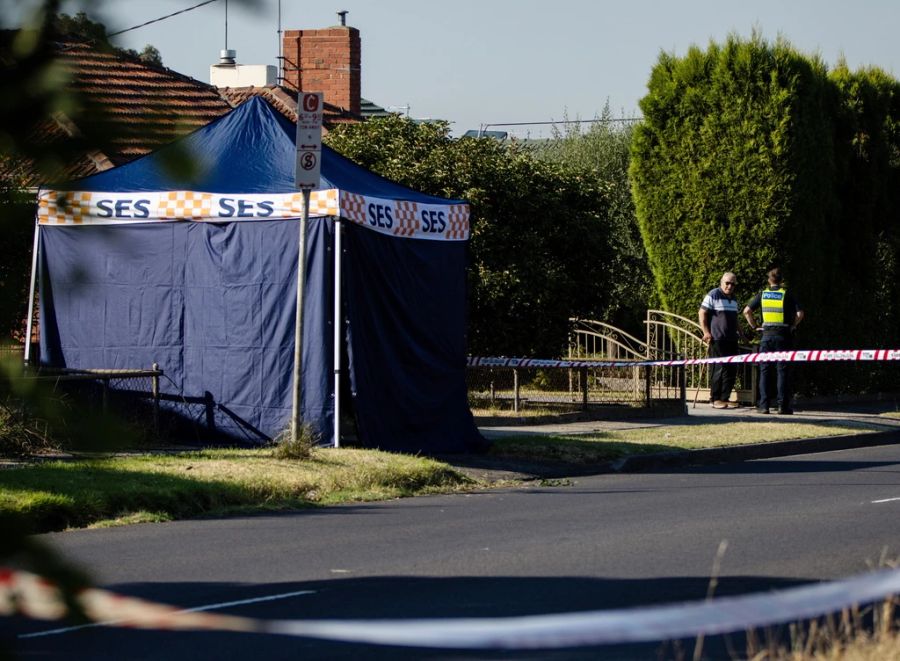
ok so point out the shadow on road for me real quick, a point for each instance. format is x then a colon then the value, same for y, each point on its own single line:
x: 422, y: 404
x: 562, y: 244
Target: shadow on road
x: 401, y: 597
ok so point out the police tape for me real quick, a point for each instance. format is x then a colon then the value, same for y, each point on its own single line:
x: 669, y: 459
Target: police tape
x: 808, y: 356
x: 26, y: 594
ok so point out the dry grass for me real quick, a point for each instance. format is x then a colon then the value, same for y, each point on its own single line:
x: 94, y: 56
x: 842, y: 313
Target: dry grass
x: 127, y: 489
x: 691, y: 437
x: 529, y: 411
x: 853, y: 635
x: 609, y: 445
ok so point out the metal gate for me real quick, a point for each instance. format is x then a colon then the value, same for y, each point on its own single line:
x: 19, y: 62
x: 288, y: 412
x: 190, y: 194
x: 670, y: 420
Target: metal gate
x: 668, y: 336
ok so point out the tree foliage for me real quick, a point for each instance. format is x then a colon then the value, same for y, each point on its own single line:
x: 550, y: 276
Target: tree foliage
x: 35, y: 88
x: 603, y: 151
x: 868, y: 182
x: 732, y: 170
x: 81, y: 26
x: 540, y: 248
x: 752, y: 154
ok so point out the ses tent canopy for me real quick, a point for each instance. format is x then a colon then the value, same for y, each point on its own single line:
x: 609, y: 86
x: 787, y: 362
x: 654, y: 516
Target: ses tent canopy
x: 199, y: 275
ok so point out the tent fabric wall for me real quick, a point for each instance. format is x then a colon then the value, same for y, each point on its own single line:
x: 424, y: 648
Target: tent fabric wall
x: 407, y: 318
x: 207, y: 303
x: 213, y: 302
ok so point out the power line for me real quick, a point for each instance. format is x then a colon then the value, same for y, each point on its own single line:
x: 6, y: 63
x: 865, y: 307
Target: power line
x: 162, y: 18
x: 597, y: 120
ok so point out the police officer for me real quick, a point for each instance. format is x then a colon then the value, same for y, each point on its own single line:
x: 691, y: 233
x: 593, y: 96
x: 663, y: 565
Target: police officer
x: 781, y: 313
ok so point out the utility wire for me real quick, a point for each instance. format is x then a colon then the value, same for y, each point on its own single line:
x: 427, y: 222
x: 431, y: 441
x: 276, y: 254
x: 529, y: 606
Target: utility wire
x: 599, y: 120
x: 161, y: 18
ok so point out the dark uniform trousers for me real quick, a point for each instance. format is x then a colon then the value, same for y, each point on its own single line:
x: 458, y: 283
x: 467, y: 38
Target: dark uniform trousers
x: 777, y: 372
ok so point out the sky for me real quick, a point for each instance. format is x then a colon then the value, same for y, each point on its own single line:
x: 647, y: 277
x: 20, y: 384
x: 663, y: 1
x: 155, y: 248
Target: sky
x: 476, y: 63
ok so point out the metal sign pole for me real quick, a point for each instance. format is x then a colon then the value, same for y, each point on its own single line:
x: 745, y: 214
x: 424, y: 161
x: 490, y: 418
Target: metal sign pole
x: 29, y: 327
x: 307, y: 171
x: 337, y: 332
x: 298, y: 322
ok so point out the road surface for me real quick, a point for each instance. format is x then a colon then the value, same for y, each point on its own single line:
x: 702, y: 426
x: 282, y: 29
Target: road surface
x: 597, y: 542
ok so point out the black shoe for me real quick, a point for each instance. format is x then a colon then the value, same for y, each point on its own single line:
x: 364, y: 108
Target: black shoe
x: 764, y: 411
x: 785, y: 411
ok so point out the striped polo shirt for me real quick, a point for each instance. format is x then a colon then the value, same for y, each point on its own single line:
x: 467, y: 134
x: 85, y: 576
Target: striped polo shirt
x: 723, y: 323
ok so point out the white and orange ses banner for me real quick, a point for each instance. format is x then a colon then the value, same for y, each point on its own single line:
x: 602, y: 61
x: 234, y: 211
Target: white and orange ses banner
x: 399, y: 218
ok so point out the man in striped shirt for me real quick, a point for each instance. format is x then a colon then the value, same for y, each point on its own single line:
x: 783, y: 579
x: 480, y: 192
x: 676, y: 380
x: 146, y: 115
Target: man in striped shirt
x: 718, y: 316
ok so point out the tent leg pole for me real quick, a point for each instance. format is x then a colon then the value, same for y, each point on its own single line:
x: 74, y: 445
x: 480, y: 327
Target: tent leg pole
x: 338, y: 227
x: 298, y: 325
x: 29, y: 326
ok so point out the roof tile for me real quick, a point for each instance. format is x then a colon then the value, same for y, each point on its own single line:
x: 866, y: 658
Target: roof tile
x: 142, y: 107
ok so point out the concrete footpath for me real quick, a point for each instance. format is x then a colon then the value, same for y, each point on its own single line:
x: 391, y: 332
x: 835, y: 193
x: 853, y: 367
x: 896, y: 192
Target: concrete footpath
x: 866, y: 414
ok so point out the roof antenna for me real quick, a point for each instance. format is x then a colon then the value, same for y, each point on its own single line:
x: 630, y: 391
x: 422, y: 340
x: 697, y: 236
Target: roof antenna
x: 342, y: 14
x: 280, y: 48
x: 226, y: 24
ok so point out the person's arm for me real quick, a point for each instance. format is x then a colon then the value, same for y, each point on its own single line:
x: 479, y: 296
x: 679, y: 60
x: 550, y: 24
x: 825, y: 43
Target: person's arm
x: 703, y: 317
x: 749, y: 311
x: 748, y: 315
x: 798, y: 317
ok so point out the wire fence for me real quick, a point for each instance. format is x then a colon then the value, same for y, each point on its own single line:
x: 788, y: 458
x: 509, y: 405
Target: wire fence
x: 563, y: 389
x: 135, y: 397
x: 132, y: 393
x: 63, y: 403
x: 12, y: 352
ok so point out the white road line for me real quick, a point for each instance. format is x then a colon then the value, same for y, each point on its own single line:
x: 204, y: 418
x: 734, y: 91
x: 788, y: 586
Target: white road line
x: 885, y: 500
x: 196, y: 609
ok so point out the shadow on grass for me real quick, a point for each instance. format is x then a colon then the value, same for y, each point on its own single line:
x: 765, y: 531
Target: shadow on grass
x: 537, y: 454
x: 607, y: 445
x: 571, y: 449
x: 60, y: 495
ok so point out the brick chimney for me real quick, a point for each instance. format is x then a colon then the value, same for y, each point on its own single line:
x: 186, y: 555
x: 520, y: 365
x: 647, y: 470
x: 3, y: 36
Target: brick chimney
x: 327, y: 61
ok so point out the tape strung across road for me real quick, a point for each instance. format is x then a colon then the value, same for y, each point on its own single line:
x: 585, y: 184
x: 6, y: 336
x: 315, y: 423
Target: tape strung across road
x: 29, y: 595
x: 810, y: 356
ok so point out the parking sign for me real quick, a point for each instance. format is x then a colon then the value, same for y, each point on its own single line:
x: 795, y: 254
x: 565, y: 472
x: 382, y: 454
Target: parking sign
x: 309, y: 140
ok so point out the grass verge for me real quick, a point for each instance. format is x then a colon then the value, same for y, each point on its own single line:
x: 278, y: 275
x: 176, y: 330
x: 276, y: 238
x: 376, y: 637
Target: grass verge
x: 83, y: 492
x: 610, y: 445
x: 116, y: 490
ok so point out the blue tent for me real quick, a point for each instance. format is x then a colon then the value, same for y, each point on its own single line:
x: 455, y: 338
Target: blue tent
x: 198, y: 274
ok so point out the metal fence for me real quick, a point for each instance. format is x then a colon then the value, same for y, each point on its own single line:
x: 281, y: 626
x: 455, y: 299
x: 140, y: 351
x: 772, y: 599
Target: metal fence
x: 555, y: 389
x: 12, y: 352
x: 667, y: 336
x: 132, y: 394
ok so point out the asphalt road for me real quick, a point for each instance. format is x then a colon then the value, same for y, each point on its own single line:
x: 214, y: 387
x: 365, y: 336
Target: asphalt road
x: 607, y: 541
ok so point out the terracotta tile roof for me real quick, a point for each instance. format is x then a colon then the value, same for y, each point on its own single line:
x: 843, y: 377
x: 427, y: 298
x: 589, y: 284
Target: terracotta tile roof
x: 141, y: 107
x: 145, y: 106
x: 285, y: 102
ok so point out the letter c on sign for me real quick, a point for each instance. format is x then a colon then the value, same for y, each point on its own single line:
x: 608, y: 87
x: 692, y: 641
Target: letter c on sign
x: 311, y: 102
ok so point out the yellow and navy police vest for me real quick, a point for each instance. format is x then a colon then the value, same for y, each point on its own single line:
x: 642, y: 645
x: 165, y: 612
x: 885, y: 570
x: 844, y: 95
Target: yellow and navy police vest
x: 772, y: 303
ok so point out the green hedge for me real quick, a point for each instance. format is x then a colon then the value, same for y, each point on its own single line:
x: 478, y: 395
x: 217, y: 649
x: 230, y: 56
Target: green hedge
x: 731, y: 170
x: 868, y: 137
x: 540, y: 248
x: 753, y: 154
x: 17, y: 229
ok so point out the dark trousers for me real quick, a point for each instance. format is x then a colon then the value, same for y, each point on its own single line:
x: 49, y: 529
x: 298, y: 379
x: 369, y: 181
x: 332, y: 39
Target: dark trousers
x: 774, y: 379
x: 722, y: 375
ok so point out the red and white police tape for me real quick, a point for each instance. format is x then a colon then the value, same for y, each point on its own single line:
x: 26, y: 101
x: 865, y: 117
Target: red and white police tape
x: 26, y: 594
x: 808, y: 356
